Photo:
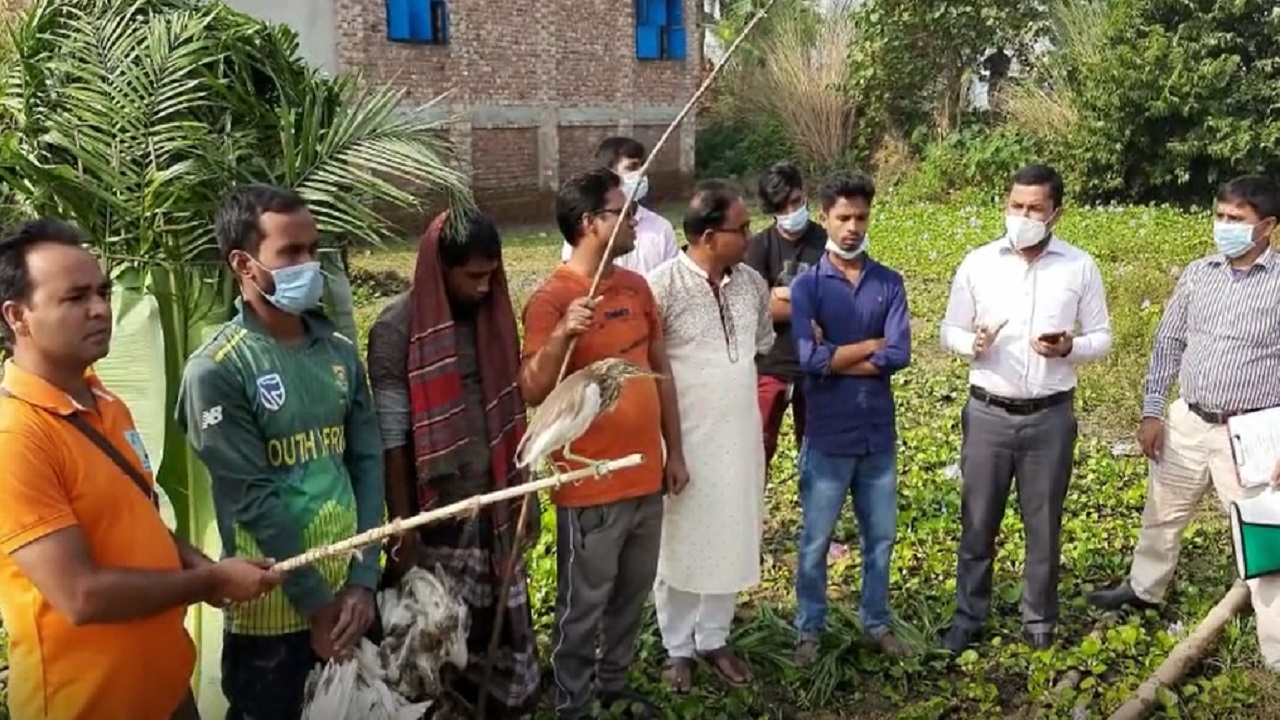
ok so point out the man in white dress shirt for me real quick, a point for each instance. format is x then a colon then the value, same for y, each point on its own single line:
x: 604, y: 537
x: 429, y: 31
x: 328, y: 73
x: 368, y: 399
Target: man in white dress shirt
x: 1026, y: 310
x: 655, y: 237
x: 715, y: 320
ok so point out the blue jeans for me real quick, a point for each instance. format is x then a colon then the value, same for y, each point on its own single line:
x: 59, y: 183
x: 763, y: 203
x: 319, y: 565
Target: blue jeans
x: 825, y: 480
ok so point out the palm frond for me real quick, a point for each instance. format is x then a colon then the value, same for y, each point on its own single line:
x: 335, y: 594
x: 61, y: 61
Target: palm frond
x: 133, y: 117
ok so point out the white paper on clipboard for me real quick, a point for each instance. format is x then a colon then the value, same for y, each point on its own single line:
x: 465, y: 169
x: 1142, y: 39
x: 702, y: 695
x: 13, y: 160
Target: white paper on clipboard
x: 1255, y: 445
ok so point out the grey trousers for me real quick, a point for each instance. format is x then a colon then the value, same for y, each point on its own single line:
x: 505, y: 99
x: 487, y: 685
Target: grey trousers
x: 999, y: 446
x: 606, y: 562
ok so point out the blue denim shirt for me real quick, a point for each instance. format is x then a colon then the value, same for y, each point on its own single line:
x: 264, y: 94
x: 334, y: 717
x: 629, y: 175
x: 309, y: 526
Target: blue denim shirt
x: 850, y: 415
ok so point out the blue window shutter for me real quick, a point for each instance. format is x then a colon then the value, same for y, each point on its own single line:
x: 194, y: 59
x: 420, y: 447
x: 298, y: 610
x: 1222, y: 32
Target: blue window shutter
x: 648, y: 42
x: 420, y: 20
x: 675, y: 13
x: 656, y: 12
x: 675, y: 43
x: 398, y: 21
x: 642, y: 12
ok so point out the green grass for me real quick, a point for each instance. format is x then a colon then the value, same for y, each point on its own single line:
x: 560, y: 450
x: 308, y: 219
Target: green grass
x: 1140, y: 251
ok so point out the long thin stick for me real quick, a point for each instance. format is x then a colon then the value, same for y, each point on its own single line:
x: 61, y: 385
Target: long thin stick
x: 508, y: 571
x: 470, y: 505
x: 653, y: 153
x: 1184, y: 655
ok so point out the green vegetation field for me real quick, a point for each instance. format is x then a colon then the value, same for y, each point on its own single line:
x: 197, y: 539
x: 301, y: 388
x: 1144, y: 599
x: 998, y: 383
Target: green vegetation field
x: 1141, y: 251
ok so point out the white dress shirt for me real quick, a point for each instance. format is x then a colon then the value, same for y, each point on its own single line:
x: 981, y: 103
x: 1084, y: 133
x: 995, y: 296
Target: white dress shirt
x: 655, y: 243
x: 1059, y: 290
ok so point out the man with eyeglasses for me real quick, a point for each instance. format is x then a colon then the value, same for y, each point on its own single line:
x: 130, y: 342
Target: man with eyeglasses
x: 715, y: 319
x: 607, y: 530
x: 853, y: 332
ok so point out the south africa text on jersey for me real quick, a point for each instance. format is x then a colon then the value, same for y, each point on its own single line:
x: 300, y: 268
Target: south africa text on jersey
x: 306, y: 446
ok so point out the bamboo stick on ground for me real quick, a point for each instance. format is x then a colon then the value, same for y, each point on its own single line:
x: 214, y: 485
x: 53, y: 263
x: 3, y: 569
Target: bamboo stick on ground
x: 1184, y: 656
x: 401, y: 525
x: 1069, y: 680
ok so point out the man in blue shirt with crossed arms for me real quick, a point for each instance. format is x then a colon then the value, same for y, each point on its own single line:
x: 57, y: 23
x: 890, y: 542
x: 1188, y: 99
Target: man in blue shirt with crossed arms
x: 852, y: 331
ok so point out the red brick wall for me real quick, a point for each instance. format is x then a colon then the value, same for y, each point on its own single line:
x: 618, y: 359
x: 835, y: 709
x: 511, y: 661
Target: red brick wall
x: 563, y: 54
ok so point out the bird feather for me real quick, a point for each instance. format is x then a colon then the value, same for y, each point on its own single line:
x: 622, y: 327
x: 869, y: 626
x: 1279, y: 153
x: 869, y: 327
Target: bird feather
x: 562, y: 418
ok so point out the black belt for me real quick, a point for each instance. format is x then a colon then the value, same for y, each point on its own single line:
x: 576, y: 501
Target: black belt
x: 1217, y: 417
x: 1021, y: 406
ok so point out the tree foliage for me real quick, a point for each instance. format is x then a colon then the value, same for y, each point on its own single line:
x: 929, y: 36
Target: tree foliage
x: 1186, y: 95
x: 911, y: 65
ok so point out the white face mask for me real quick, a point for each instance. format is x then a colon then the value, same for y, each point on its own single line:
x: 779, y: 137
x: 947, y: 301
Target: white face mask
x: 834, y: 248
x: 1024, y: 232
x: 634, y: 185
x: 793, y: 222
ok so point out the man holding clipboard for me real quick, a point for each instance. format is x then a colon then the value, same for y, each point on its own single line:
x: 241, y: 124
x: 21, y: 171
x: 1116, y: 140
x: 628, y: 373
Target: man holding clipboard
x: 1220, y: 337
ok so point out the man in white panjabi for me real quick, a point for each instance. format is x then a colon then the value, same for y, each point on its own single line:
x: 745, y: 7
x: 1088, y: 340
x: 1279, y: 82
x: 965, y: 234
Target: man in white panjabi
x: 715, y: 317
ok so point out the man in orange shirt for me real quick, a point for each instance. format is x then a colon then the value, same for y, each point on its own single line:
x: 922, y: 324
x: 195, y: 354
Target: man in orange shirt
x: 608, y: 530
x: 93, y: 586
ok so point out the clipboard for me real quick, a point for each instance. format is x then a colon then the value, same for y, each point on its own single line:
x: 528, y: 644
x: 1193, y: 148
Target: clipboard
x: 1255, y: 445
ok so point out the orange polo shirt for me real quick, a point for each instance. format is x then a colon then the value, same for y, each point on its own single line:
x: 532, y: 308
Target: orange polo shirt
x: 626, y: 325
x: 51, y: 478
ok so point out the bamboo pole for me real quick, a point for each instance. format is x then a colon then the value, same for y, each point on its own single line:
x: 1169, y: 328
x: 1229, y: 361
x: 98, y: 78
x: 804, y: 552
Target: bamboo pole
x: 1184, y: 656
x: 1069, y: 680
x: 470, y: 505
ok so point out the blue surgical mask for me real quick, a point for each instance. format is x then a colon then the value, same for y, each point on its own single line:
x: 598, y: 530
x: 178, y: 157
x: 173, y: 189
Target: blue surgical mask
x: 635, y: 186
x: 298, y: 287
x: 1233, y: 239
x: 793, y: 222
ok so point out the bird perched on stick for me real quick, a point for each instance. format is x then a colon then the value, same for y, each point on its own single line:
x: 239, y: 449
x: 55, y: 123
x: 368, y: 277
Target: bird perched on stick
x: 570, y: 409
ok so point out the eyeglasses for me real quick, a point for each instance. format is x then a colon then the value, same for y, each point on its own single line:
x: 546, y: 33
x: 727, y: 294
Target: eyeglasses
x: 743, y: 230
x: 628, y: 209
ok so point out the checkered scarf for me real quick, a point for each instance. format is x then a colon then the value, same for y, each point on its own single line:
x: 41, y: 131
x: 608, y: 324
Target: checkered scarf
x: 435, y: 383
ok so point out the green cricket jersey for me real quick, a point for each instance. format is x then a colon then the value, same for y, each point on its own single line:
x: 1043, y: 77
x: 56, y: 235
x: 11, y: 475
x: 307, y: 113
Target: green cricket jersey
x: 290, y: 438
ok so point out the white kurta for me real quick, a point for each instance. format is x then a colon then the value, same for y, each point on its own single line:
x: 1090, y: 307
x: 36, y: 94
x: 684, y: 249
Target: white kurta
x: 711, y: 532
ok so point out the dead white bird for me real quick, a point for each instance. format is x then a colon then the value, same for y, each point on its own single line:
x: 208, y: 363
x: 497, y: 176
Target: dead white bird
x: 425, y: 627
x: 572, y: 406
x: 354, y: 690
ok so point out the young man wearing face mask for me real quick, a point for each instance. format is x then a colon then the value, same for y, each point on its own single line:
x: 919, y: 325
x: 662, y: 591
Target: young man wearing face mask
x: 655, y: 238
x: 715, y: 319
x: 788, y: 247
x: 1220, y: 338
x: 277, y: 407
x: 1026, y: 310
x: 852, y: 331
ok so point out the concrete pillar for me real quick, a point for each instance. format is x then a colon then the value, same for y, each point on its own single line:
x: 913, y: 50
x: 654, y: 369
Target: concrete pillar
x: 549, y: 148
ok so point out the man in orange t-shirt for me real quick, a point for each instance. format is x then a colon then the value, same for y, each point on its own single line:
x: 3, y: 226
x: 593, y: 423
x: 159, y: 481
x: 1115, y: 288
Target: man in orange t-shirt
x: 93, y: 586
x: 608, y: 530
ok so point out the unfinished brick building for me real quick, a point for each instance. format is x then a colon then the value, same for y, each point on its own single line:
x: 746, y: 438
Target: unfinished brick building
x: 536, y: 84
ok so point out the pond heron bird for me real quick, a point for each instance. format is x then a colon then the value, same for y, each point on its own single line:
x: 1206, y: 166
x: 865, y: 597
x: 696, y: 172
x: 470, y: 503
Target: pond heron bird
x: 571, y: 408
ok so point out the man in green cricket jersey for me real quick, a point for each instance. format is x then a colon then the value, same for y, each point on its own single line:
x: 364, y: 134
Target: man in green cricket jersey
x: 277, y: 407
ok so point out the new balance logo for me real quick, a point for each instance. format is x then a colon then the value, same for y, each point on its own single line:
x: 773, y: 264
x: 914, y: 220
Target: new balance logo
x: 210, y: 417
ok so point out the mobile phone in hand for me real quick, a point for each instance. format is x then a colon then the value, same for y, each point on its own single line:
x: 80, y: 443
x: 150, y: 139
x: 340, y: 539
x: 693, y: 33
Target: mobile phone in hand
x: 1052, y: 337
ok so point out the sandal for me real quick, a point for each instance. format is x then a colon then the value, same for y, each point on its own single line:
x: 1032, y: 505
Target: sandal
x: 728, y: 666
x: 677, y: 675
